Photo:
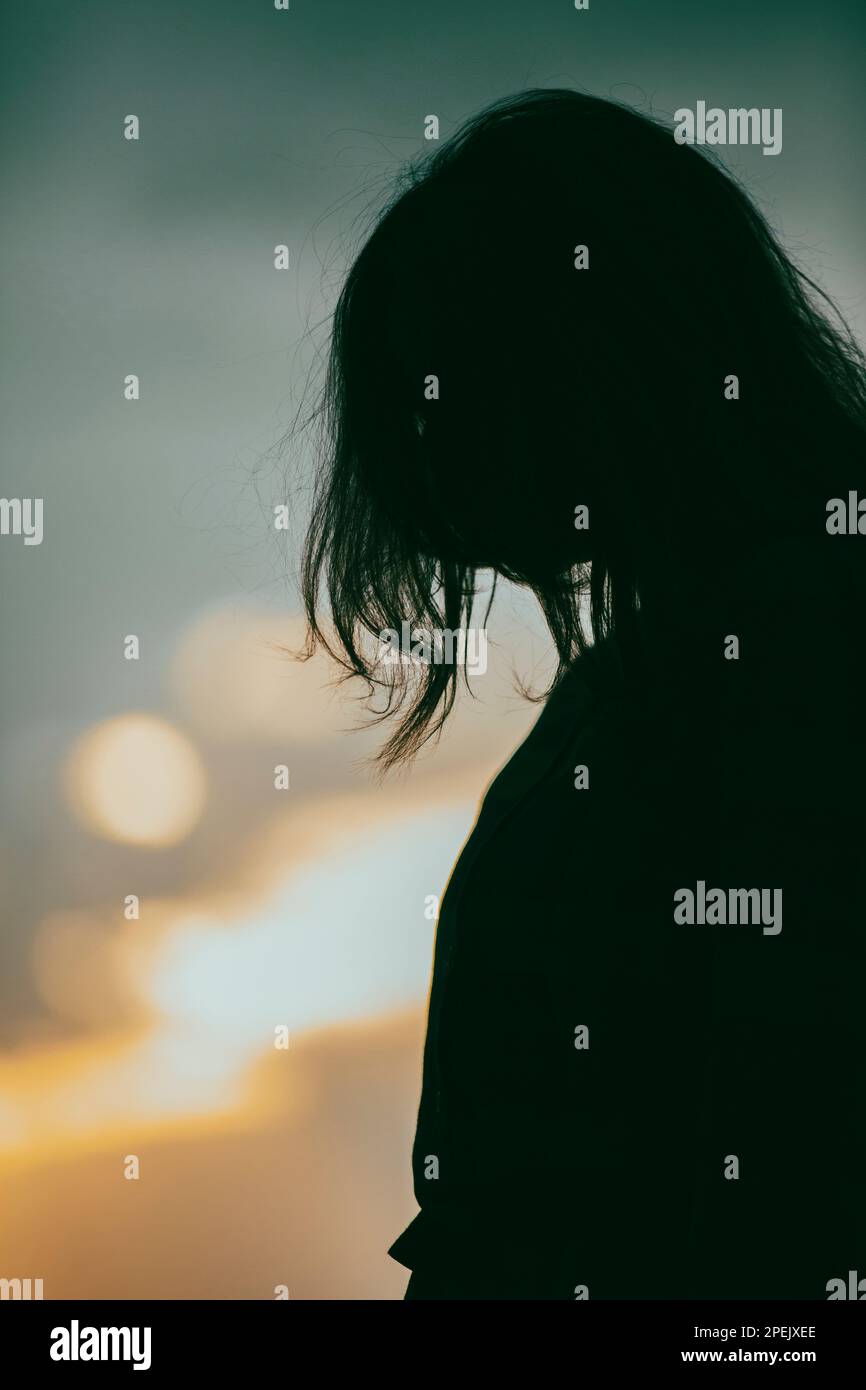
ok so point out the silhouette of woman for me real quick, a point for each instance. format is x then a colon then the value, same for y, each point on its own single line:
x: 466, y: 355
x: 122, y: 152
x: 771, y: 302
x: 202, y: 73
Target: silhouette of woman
x: 572, y: 352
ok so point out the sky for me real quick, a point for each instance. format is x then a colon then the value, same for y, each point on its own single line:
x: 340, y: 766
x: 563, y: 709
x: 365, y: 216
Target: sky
x: 261, y: 127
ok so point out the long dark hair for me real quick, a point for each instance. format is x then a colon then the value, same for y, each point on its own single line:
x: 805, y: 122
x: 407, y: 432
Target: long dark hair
x: 607, y: 386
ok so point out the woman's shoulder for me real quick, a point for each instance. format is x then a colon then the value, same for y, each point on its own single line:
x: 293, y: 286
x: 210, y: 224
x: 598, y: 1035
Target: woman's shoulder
x: 576, y: 715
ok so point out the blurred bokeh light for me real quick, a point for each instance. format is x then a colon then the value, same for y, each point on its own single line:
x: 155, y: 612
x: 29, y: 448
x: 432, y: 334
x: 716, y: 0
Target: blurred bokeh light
x: 135, y: 778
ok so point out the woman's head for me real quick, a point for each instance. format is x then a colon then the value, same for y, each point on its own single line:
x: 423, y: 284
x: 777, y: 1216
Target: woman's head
x: 548, y: 316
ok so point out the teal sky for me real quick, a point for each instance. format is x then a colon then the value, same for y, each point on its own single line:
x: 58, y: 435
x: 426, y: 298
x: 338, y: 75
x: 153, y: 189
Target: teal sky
x: 261, y: 127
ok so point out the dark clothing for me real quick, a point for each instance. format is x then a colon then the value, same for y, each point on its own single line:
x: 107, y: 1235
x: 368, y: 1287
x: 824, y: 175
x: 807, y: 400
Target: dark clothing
x: 706, y: 1137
